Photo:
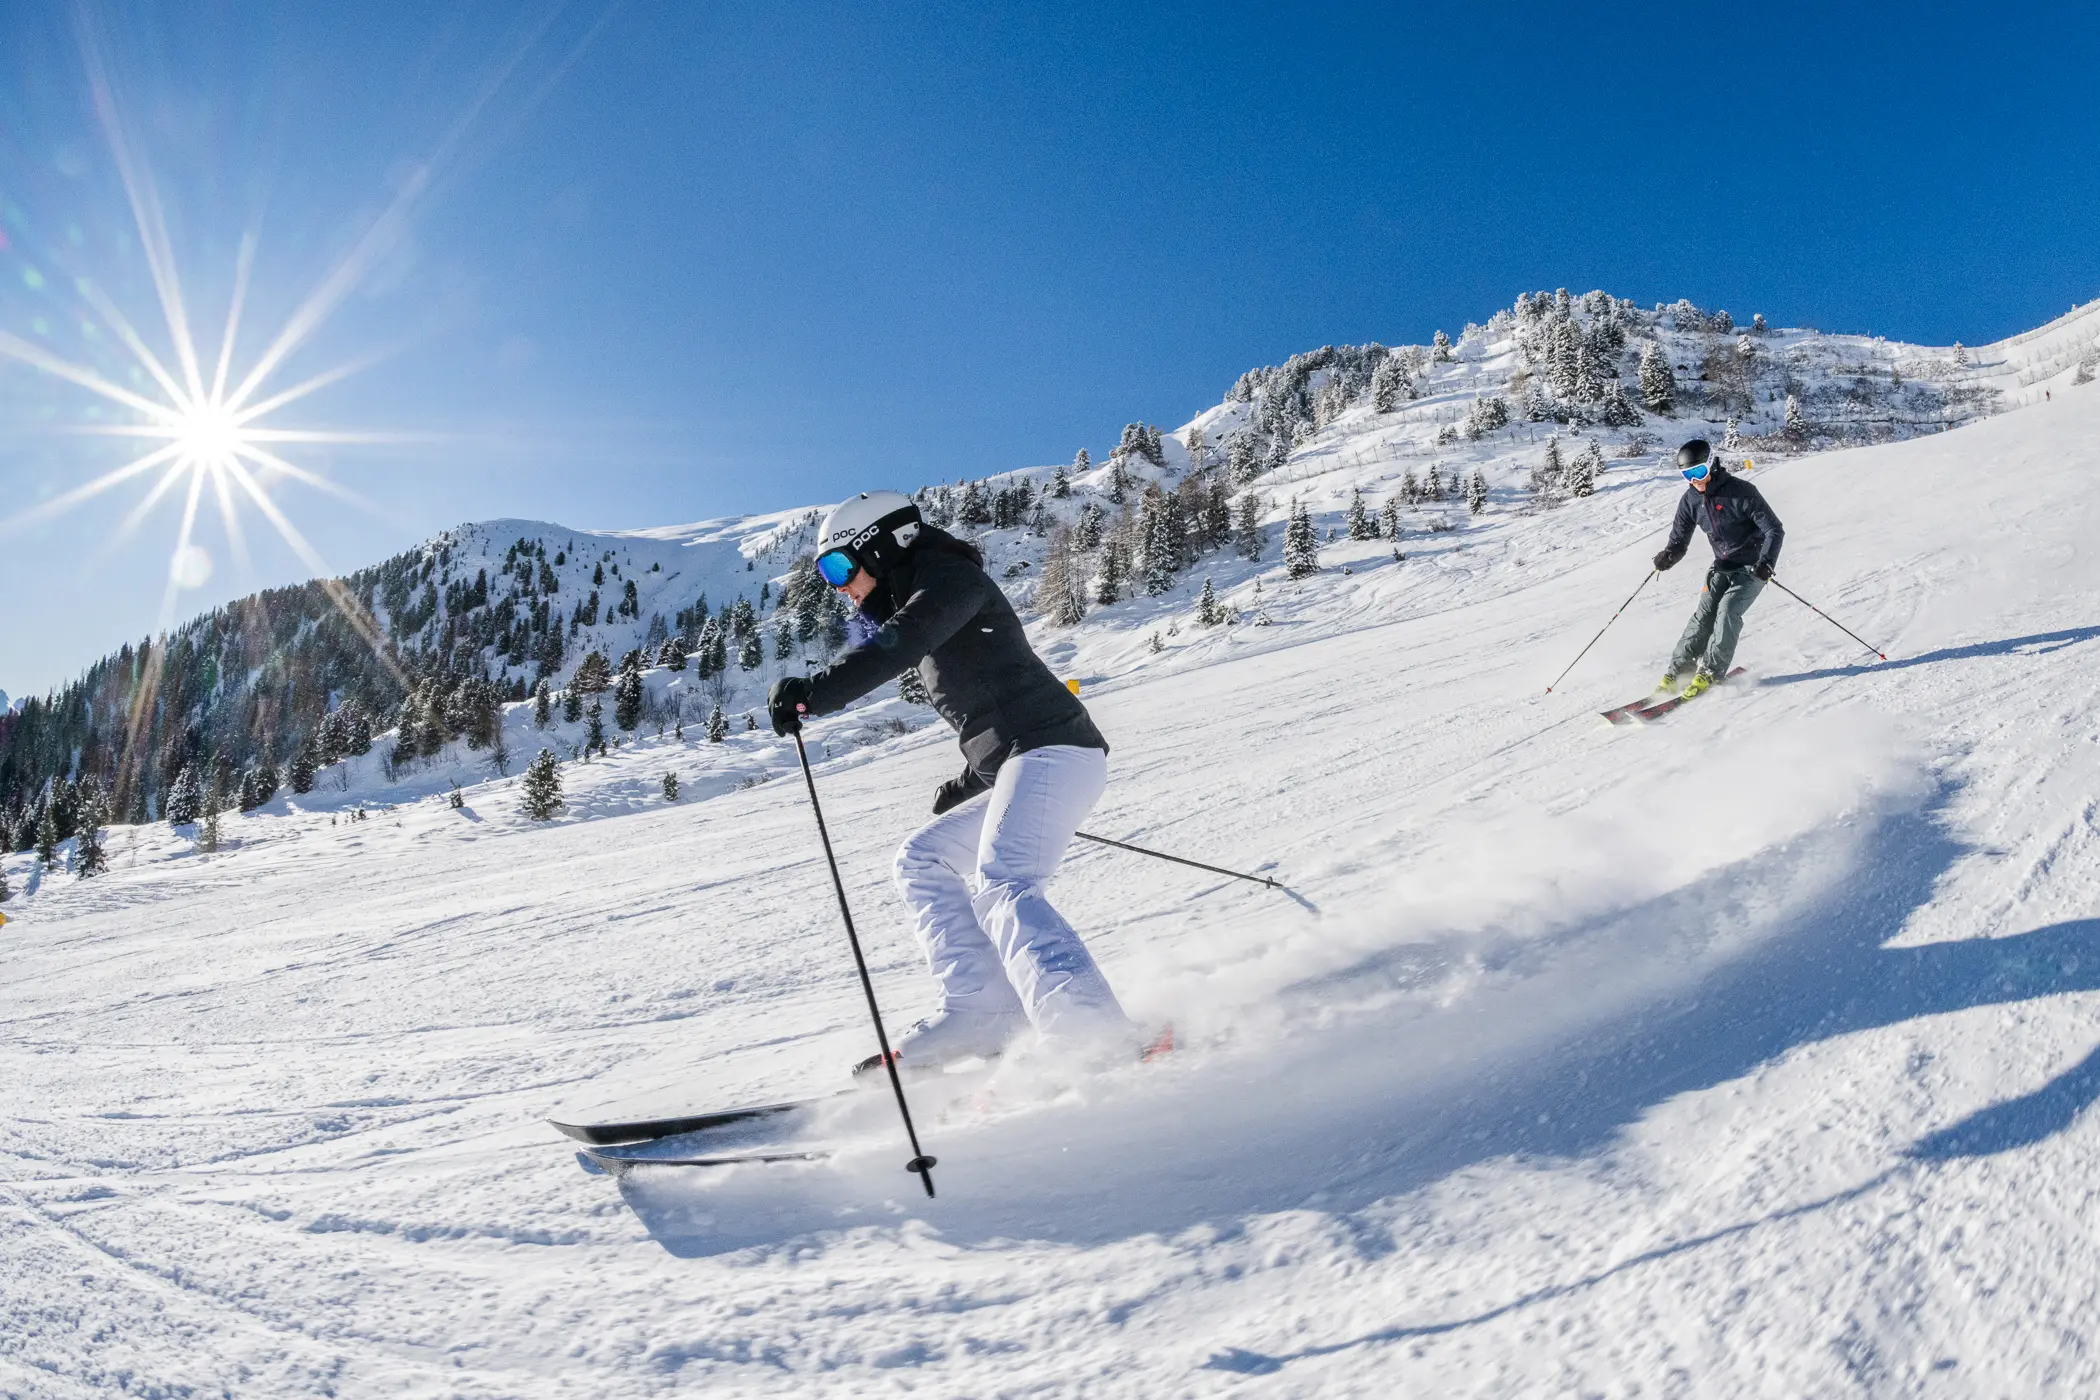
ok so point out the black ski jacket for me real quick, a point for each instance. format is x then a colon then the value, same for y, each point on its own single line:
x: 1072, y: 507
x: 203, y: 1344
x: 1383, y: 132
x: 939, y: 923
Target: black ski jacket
x: 939, y: 611
x: 1736, y: 519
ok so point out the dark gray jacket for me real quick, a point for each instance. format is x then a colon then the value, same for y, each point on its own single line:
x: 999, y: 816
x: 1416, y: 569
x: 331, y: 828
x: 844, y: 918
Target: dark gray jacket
x: 939, y: 611
x: 1743, y: 529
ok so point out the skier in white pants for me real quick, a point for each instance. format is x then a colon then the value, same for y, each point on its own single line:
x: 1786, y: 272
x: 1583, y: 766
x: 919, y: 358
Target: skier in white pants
x: 973, y: 877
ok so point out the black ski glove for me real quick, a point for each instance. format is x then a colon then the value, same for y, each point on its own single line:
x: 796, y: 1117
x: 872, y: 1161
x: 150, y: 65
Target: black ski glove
x: 956, y: 791
x: 785, y: 704
x: 1763, y: 572
x: 1664, y: 560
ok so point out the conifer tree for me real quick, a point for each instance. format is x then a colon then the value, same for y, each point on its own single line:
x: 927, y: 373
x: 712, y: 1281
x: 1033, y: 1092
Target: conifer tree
x: 627, y: 699
x: 301, y: 770
x: 1547, y: 478
x: 1119, y: 482
x: 1389, y: 518
x: 975, y: 512
x: 594, y: 738
x: 1108, y: 584
x: 751, y: 652
x: 1582, y: 476
x: 1301, y: 546
x: 911, y: 689
x: 1477, y: 492
x: 1209, y: 611
x: 47, y: 838
x: 89, y: 859
x: 1216, y: 530
x: 1658, y: 382
x: 717, y: 724
x: 571, y: 705
x: 1617, y: 413
x: 186, y: 798
x: 1086, y: 534
x: 1796, y: 424
x: 542, y: 704
x: 783, y: 639
x: 5, y: 892
x: 1440, y: 349
x: 1059, y: 594
x: 593, y: 674
x: 1246, y: 530
x: 1061, y: 482
x: 1433, y: 487
x: 670, y: 787
x: 540, y: 789
x: 1391, y: 385
x: 1361, y: 526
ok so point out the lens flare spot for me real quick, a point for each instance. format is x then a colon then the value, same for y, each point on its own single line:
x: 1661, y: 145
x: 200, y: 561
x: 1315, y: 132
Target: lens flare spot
x: 190, y: 567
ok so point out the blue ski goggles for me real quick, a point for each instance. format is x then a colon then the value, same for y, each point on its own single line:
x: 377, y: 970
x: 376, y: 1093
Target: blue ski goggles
x: 837, y: 568
x: 1697, y: 473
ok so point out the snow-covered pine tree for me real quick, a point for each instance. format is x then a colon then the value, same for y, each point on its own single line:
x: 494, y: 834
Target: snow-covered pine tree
x: 1119, y: 482
x: 1433, y: 485
x: 1391, y: 385
x: 1476, y: 491
x: 975, y: 512
x: 186, y: 798
x: 671, y: 655
x: 593, y: 673
x: 5, y: 892
x: 1658, y: 381
x: 301, y: 770
x: 1060, y: 483
x: 571, y: 705
x: 1108, y: 580
x: 670, y: 787
x: 47, y: 838
x: 1582, y: 475
x: 1091, y: 525
x: 539, y: 790
x: 1246, y: 529
x: 1243, y: 457
x: 1301, y: 546
x: 1796, y: 430
x: 1440, y: 349
x: 1389, y: 518
x: 542, y: 704
x: 1209, y: 611
x: 1198, y: 447
x: 717, y: 724
x: 751, y: 652
x: 594, y: 737
x: 89, y: 859
x: 1617, y: 412
x: 1548, y: 478
x: 627, y: 698
x: 1361, y: 526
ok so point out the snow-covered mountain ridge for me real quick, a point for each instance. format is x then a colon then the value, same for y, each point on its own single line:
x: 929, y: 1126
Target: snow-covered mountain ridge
x: 1751, y: 1053
x: 1544, y: 401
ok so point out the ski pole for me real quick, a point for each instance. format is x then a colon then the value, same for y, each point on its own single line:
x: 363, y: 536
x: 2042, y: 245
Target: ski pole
x: 1602, y: 630
x: 1829, y: 619
x: 920, y: 1162
x: 1178, y: 860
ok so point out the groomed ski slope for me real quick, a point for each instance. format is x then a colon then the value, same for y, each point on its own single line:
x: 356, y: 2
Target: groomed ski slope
x: 1745, y: 1054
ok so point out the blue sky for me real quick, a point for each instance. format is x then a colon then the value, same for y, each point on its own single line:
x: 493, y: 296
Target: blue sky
x: 685, y: 260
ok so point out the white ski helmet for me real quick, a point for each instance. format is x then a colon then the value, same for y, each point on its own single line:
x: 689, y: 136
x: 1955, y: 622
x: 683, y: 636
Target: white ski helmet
x: 872, y: 529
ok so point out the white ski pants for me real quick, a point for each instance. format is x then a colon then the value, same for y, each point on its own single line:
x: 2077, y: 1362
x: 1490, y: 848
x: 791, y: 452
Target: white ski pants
x: 973, y: 879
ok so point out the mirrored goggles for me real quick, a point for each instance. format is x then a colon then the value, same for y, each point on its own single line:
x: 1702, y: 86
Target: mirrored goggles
x: 837, y: 567
x: 1697, y: 473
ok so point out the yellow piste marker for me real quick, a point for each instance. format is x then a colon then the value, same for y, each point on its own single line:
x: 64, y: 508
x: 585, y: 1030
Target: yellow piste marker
x: 1072, y: 685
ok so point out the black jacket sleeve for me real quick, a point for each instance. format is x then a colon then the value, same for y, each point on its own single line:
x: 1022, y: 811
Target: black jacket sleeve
x: 1771, y: 533
x: 1681, y: 528
x: 927, y: 618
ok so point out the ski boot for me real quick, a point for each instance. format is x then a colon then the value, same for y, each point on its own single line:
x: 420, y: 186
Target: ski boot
x: 1668, y: 684
x: 950, y: 1037
x: 1701, y: 683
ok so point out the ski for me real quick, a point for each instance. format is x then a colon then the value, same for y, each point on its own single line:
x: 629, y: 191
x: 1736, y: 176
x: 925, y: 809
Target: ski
x: 612, y: 1161
x: 650, y: 1129
x: 1662, y: 707
x: 1624, y: 714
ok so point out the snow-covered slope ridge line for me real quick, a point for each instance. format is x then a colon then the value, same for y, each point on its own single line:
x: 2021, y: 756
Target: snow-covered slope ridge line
x: 1438, y: 450
x: 1747, y: 1054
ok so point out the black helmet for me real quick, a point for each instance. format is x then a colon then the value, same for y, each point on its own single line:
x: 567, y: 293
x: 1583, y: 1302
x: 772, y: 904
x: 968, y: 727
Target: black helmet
x: 1693, y: 454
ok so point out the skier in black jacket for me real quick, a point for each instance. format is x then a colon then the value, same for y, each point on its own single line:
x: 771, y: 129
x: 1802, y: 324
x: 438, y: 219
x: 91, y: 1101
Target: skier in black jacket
x: 1746, y: 536
x: 1034, y: 766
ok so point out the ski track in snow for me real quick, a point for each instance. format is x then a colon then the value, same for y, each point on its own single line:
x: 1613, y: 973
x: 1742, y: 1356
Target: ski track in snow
x: 1745, y: 1054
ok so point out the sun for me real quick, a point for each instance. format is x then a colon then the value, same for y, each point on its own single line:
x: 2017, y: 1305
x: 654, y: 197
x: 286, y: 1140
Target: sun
x: 208, y: 434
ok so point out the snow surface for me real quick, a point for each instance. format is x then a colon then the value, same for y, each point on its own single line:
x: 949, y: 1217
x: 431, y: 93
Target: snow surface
x: 1744, y: 1054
